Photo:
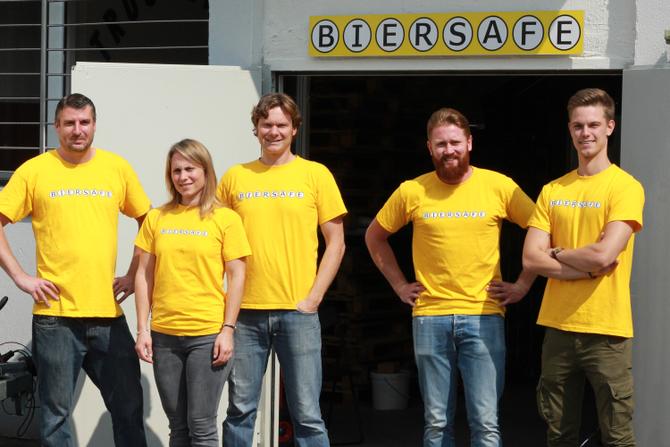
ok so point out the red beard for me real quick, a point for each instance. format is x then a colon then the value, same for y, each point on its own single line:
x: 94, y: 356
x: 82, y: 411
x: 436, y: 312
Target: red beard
x: 452, y: 174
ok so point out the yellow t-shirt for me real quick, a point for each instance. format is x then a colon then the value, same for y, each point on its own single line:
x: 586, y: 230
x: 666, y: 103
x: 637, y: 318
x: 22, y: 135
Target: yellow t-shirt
x: 188, y: 297
x: 455, y: 239
x: 75, y: 212
x: 574, y: 211
x: 281, y: 207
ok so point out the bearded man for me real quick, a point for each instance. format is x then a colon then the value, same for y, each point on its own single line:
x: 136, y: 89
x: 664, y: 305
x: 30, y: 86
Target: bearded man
x: 458, y: 298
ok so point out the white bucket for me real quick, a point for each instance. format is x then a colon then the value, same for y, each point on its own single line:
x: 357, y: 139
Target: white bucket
x: 390, y: 391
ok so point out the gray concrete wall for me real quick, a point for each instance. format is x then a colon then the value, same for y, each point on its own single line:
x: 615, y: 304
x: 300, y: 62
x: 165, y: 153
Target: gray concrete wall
x: 651, y: 22
x: 274, y: 34
x: 645, y: 153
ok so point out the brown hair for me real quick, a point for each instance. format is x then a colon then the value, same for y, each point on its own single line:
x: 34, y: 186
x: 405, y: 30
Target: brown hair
x: 592, y: 97
x: 75, y: 101
x: 272, y: 100
x: 197, y: 153
x: 447, y: 116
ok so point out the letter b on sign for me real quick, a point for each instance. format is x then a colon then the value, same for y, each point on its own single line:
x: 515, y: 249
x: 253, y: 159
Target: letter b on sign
x: 325, y: 36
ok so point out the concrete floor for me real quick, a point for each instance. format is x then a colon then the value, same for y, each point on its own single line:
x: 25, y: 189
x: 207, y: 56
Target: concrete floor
x: 521, y: 425
x: 11, y: 442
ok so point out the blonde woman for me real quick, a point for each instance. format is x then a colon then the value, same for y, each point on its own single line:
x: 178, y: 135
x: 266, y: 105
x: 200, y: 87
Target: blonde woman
x: 187, y: 246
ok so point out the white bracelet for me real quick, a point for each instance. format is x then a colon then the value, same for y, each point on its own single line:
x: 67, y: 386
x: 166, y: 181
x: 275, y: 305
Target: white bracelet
x: 143, y: 330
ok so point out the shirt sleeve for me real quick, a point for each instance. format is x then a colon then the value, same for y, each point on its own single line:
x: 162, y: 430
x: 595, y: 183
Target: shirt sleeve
x: 627, y: 203
x: 16, y: 202
x: 145, y: 237
x: 135, y: 203
x: 395, y: 213
x: 519, y: 206
x: 235, y: 243
x: 223, y: 190
x: 329, y: 200
x: 540, y: 217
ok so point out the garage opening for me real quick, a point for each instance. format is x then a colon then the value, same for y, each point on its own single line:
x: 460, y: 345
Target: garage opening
x: 370, y: 131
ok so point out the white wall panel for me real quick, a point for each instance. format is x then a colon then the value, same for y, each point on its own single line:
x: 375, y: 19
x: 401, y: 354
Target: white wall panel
x: 142, y: 110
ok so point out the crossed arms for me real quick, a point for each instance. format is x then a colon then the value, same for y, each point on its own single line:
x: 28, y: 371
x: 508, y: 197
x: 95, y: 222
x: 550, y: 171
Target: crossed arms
x: 589, y: 261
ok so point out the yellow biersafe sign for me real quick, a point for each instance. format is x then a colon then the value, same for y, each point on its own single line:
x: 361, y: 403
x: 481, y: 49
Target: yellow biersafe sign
x: 522, y: 33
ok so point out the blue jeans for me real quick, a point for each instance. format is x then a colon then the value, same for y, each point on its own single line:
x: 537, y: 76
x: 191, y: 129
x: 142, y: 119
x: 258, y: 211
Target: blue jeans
x: 296, y: 337
x: 475, y: 346
x: 190, y: 387
x: 104, y: 348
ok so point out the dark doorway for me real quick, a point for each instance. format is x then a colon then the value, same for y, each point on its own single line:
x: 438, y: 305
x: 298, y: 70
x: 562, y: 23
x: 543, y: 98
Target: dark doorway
x: 370, y: 131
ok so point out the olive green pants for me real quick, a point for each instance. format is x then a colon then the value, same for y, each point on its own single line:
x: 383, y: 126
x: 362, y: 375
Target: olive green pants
x: 568, y: 358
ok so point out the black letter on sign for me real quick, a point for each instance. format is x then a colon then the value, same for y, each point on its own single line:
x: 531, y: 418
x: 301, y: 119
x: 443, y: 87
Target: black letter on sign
x: 388, y: 33
x: 560, y: 31
x: 114, y: 28
x: 326, y: 34
x: 525, y: 31
x: 493, y: 32
x: 357, y: 27
x: 422, y: 30
x: 452, y: 28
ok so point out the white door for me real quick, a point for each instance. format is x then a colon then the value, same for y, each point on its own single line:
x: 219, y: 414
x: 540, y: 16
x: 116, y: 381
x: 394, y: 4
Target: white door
x: 142, y: 109
x: 645, y: 153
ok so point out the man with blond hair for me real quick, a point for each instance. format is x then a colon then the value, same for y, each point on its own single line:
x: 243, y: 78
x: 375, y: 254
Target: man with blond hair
x: 282, y: 199
x: 581, y: 238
